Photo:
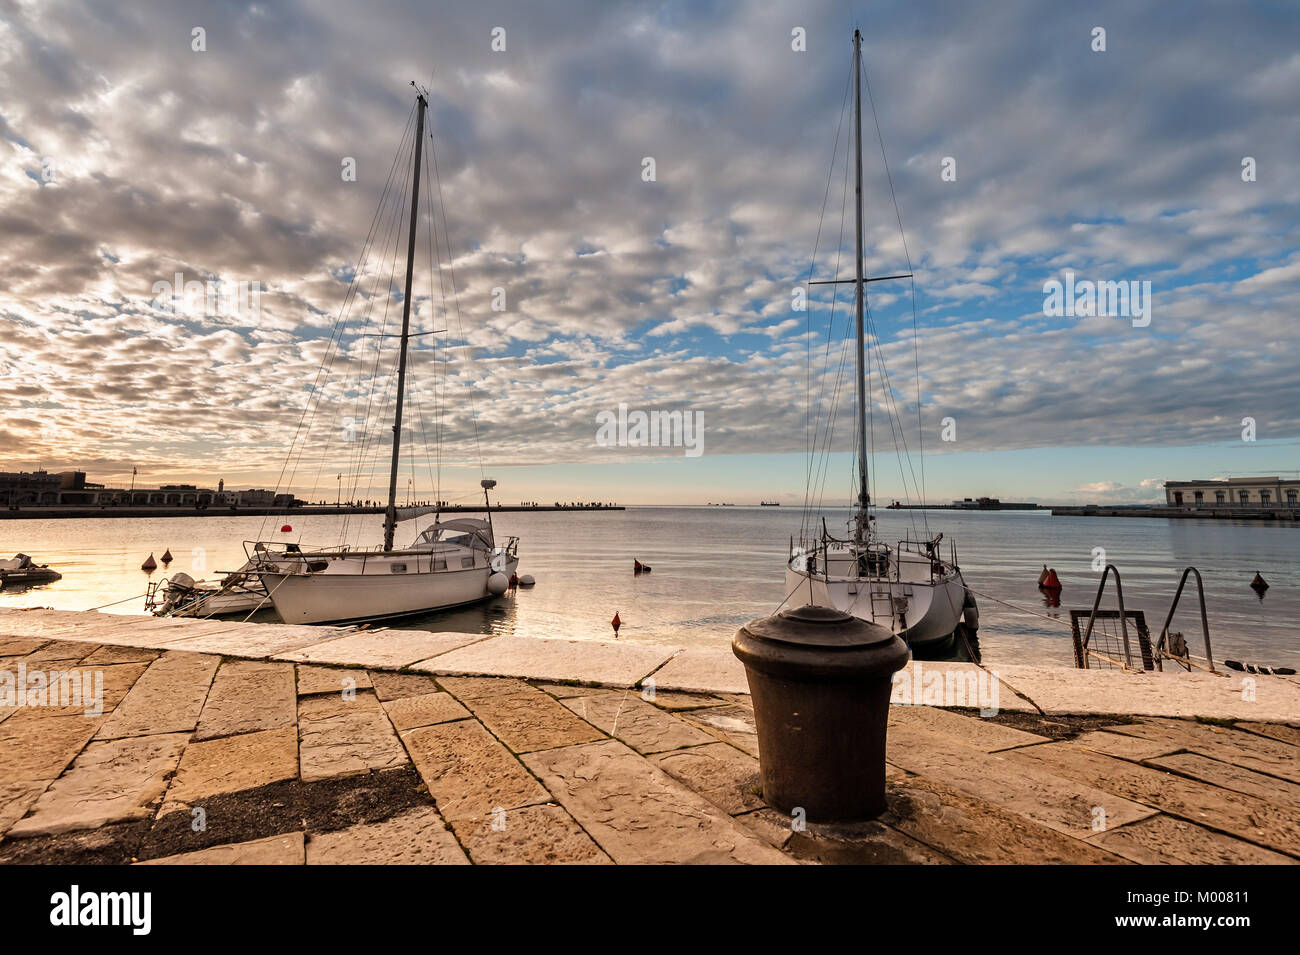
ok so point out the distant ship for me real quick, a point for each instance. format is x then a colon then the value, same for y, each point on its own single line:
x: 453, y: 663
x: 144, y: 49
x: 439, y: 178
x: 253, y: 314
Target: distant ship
x: 769, y: 503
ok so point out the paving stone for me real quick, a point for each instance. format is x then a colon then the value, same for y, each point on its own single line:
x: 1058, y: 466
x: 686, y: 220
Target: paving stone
x: 1123, y: 747
x: 248, y: 696
x: 1240, y: 815
x: 732, y: 724
x: 1227, y: 776
x: 409, y: 712
x: 1274, y: 730
x: 624, y: 715
x: 391, y: 649
x: 523, y: 718
x: 672, y: 700
x: 973, y: 731
x: 1277, y: 731
x: 867, y: 843
x: 558, y: 661
x: 58, y: 651
x: 112, y: 781
x: 394, y: 686
x: 340, y: 737
x: 638, y: 814
x: 255, y: 640
x: 469, y: 773
x: 110, y: 656
x: 769, y: 825
x: 1162, y: 840
x: 416, y: 837
x: 976, y: 832
x: 16, y: 797
x: 37, y: 745
x: 232, y: 764
x: 317, y: 679
x: 720, y: 773
x: 167, y: 698
x: 531, y: 835
x: 562, y: 691
x: 1229, y: 745
x: 19, y: 647
x: 703, y: 670
x: 273, y: 850
x: 1032, y: 791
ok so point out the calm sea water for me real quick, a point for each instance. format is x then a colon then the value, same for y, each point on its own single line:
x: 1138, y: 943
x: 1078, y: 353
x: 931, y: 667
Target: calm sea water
x: 715, y: 568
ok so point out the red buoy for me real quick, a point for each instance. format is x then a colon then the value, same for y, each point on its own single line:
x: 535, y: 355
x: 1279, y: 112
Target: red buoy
x: 637, y: 566
x: 1051, y: 581
x: 616, y: 623
x: 286, y: 529
x: 150, y: 565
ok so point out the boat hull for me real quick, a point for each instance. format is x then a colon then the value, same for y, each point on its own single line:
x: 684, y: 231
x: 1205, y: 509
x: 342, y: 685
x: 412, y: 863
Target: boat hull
x: 341, y: 598
x: 929, y: 613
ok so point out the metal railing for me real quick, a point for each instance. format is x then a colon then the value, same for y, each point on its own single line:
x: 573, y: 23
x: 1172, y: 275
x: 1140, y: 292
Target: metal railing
x: 1162, y: 644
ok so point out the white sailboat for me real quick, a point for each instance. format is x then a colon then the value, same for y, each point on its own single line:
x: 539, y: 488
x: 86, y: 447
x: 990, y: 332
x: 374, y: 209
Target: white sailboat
x: 907, y: 586
x: 449, y: 564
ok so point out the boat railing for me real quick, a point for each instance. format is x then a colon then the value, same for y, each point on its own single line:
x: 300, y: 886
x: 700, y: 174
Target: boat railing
x: 1163, y: 643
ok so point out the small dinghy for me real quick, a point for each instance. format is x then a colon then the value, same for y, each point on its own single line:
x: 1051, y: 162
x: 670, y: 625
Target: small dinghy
x: 22, y: 570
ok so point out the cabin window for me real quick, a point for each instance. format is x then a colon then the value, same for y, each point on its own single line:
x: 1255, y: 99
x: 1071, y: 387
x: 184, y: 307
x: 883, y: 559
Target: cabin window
x: 398, y: 568
x: 467, y: 562
x: 439, y: 565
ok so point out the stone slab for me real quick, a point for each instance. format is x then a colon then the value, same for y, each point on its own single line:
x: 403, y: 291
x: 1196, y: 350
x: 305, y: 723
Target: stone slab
x: 624, y: 715
x: 1277, y: 731
x: 111, y: 656
x: 255, y: 640
x: 167, y: 698
x: 320, y: 679
x: 232, y: 764
x: 976, y: 832
x: 732, y: 724
x: 415, y: 837
x: 1163, y: 840
x: 703, y: 670
x: 112, y: 781
x: 16, y: 797
x: 531, y: 835
x: 393, y: 686
x: 19, y: 647
x: 342, y: 737
x: 248, y: 696
x: 1034, y: 792
x: 586, y: 661
x: 523, y: 718
x: 411, y: 712
x: 970, y: 730
x: 720, y: 773
x: 469, y: 773
x: 1246, y: 817
x: 35, y: 745
x: 674, y: 701
x: 273, y: 850
x: 1228, y: 776
x: 1120, y: 746
x: 390, y: 649
x: 638, y: 814
x: 1223, y: 743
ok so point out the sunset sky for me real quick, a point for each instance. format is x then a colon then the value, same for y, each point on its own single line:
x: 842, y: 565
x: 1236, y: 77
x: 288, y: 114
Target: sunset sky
x: 128, y: 156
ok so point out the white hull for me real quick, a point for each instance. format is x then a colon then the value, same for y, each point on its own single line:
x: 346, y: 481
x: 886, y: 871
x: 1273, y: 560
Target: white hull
x: 334, y: 597
x: 216, y: 602
x: 921, y: 611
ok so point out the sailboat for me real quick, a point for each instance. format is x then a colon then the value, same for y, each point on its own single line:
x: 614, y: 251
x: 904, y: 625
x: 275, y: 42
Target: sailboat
x: 449, y: 564
x: 908, y: 586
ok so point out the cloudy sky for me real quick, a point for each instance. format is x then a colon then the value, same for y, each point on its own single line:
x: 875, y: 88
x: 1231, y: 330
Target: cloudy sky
x: 128, y: 155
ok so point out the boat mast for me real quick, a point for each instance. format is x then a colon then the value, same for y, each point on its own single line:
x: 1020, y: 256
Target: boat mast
x: 860, y: 531
x: 390, y: 514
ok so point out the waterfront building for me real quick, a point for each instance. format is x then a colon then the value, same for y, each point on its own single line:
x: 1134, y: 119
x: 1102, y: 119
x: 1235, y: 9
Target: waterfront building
x: 1256, y: 492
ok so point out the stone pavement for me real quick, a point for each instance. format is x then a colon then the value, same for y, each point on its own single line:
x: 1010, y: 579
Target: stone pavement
x: 203, y: 759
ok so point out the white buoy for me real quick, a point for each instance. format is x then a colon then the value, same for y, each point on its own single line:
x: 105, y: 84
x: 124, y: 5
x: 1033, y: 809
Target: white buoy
x: 526, y: 580
x: 497, y: 584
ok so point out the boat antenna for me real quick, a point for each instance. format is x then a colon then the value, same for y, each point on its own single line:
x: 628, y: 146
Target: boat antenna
x: 390, y: 513
x: 864, y: 496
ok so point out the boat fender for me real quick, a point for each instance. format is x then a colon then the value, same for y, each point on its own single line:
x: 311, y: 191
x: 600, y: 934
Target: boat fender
x: 497, y: 584
x: 971, y: 616
x: 527, y: 580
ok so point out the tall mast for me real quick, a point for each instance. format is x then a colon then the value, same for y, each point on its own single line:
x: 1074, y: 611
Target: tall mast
x: 864, y: 497
x: 390, y: 515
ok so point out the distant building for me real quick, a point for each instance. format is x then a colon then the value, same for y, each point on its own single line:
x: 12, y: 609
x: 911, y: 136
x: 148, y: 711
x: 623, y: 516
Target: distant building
x: 71, y: 489
x: 1234, y: 492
